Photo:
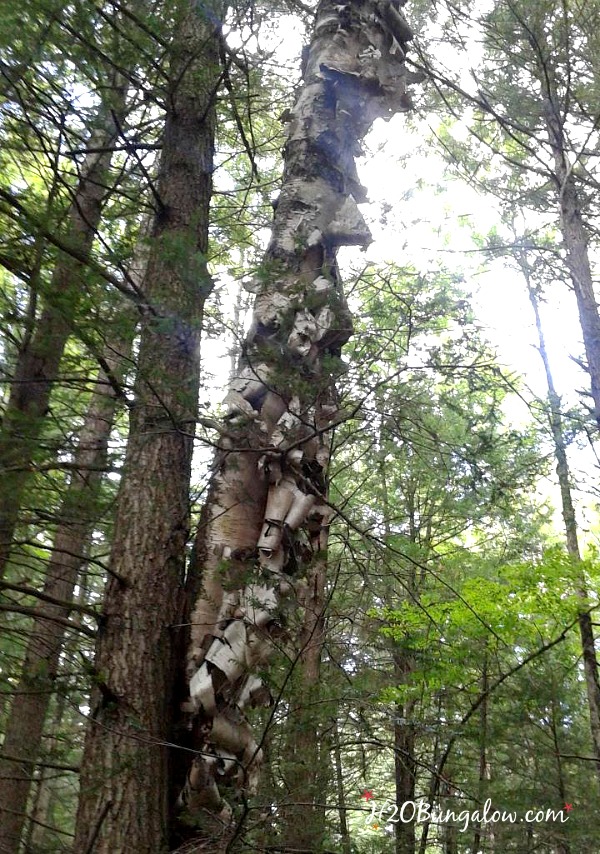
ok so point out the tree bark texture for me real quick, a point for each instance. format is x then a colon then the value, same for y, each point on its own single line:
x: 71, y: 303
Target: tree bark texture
x: 303, y: 815
x: 39, y: 359
x: 405, y: 766
x: 77, y: 516
x: 124, y: 792
x: 267, y: 515
x: 38, y: 834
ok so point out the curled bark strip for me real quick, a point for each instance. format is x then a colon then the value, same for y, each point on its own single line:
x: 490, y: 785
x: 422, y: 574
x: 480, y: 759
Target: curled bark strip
x: 265, y: 524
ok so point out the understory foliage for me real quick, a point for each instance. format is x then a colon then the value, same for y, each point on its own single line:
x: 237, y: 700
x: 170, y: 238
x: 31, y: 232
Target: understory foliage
x: 445, y: 635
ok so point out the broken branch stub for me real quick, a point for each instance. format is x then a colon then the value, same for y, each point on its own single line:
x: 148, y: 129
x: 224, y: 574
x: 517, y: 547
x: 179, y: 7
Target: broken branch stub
x: 266, y: 520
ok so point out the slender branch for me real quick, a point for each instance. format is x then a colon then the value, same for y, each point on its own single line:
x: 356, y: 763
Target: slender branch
x: 44, y: 597
x: 57, y: 766
x: 33, y: 612
x: 133, y: 292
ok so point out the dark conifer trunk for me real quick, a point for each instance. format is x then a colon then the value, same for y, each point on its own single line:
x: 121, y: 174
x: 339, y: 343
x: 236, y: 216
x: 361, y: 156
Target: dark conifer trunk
x: 124, y: 790
x: 405, y: 766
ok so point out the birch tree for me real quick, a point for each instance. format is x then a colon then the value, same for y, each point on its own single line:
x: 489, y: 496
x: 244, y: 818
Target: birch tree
x: 266, y: 522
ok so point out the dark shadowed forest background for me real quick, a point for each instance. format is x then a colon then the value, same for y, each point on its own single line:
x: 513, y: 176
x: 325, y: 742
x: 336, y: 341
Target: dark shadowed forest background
x: 300, y: 413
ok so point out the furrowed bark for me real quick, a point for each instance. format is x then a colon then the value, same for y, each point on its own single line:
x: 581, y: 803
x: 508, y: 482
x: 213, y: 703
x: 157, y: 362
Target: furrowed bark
x: 124, y: 792
x: 39, y: 359
x: 26, y: 719
x: 39, y: 832
x: 405, y: 766
x: 267, y: 513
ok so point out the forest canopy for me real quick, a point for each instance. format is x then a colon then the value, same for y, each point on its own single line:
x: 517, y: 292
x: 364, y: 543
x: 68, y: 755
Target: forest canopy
x: 299, y: 427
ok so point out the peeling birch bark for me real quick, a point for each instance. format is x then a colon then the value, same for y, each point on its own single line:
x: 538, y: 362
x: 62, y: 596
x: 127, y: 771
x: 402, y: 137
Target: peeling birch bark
x: 267, y: 519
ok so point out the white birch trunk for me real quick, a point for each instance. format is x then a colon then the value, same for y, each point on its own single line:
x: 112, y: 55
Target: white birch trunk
x: 267, y: 516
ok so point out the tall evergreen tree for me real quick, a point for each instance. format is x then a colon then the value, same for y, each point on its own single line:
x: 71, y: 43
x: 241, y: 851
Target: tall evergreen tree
x: 532, y: 111
x: 557, y: 429
x: 124, y: 794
